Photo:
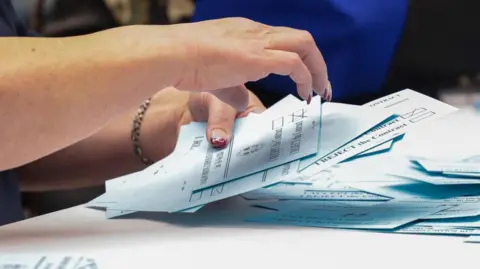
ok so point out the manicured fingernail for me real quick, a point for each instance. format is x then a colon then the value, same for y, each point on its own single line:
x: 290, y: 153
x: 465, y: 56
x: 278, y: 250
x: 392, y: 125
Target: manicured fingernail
x: 309, y: 100
x: 219, y: 138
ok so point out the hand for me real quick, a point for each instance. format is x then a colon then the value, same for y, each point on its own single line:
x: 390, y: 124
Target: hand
x: 226, y: 53
x: 222, y: 55
x: 171, y: 108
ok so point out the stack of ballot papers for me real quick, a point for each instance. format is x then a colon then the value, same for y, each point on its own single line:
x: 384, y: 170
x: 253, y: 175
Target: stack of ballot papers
x: 404, y: 163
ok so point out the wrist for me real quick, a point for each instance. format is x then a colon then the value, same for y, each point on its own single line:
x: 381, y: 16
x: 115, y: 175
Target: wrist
x: 159, y: 131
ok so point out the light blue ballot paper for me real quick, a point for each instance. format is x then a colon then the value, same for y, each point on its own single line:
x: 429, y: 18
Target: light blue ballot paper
x: 413, y: 109
x: 388, y: 215
x: 460, y: 210
x: 382, y: 148
x: 218, y: 174
x: 435, y: 166
x: 453, y: 138
x: 469, y: 222
x: 434, y: 179
x: 115, y: 188
x: 474, y: 238
x: 396, y: 163
x: 378, y: 149
x: 422, y: 144
x: 437, y: 230
x: 343, y: 123
x: 331, y: 184
x: 461, y: 175
x: 327, y: 192
x: 287, y: 205
x: 407, y: 190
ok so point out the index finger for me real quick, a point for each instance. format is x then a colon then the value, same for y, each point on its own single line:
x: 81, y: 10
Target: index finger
x: 302, y: 43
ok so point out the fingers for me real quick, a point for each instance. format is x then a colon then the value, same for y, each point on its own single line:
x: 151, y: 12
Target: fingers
x: 302, y: 43
x: 220, y: 116
x: 237, y: 97
x: 220, y: 122
x: 328, y: 94
x: 290, y: 64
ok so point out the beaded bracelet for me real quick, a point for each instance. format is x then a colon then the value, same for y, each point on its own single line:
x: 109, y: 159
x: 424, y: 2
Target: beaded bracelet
x: 135, y: 134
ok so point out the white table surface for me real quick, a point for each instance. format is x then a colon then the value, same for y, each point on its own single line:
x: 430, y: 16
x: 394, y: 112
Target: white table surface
x: 166, y: 239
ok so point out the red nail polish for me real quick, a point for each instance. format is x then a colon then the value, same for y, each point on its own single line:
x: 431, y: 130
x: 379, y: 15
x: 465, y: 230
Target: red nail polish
x: 309, y: 100
x: 219, y: 142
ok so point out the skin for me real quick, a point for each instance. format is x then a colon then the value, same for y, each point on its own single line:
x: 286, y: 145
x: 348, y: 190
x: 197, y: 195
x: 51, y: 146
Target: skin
x: 108, y: 153
x: 67, y: 102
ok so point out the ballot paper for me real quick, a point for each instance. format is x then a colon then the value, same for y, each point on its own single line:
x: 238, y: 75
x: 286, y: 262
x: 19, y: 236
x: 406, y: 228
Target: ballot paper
x: 432, y: 144
x: 435, y: 179
x: 460, y: 210
x: 313, y: 192
x: 341, y: 124
x: 408, y: 189
x: 382, y: 148
x: 287, y: 205
x: 412, y: 108
x: 453, y: 138
x: 468, y: 222
x: 56, y: 261
x: 474, y: 238
x: 324, y: 186
x: 462, y: 175
x: 437, y: 230
x: 434, y: 166
x: 385, y: 216
x: 415, y: 173
x: 251, y: 160
x: 116, y: 188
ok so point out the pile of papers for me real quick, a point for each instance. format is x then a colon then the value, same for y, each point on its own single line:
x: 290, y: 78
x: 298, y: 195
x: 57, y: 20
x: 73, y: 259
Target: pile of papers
x: 405, y: 163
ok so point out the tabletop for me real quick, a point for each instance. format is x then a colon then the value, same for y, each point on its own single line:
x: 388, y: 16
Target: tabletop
x: 209, y: 239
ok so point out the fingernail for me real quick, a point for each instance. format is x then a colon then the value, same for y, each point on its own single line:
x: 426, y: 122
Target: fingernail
x: 258, y: 110
x: 328, y: 91
x: 309, y: 100
x: 219, y: 138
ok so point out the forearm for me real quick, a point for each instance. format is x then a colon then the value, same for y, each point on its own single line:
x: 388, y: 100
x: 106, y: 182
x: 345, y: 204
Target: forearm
x: 105, y: 155
x: 55, y: 92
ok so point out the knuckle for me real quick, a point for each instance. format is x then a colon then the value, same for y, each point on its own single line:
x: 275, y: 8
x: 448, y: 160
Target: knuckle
x: 242, y: 20
x: 205, y: 99
x: 294, y: 59
x: 306, y: 37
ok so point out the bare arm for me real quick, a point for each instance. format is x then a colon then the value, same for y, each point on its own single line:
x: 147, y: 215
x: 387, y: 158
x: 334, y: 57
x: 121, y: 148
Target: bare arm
x: 108, y: 154
x: 105, y: 155
x: 55, y: 92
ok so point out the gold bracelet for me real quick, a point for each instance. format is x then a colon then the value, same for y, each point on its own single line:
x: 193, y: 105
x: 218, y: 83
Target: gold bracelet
x: 135, y: 134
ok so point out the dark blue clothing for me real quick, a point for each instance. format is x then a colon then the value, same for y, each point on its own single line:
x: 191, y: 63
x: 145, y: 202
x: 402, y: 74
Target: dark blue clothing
x: 357, y: 37
x: 10, y: 202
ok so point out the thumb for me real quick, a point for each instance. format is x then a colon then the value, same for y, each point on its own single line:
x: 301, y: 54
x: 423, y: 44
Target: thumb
x: 221, y: 118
